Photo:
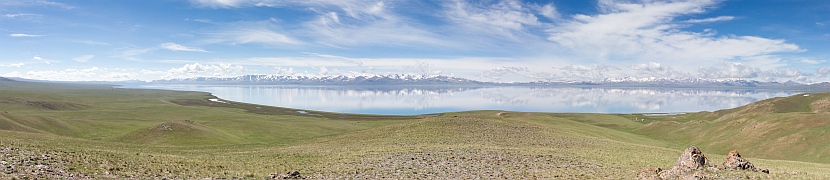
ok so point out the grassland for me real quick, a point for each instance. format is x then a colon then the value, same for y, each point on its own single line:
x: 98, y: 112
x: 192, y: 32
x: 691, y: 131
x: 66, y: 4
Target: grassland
x: 100, y: 132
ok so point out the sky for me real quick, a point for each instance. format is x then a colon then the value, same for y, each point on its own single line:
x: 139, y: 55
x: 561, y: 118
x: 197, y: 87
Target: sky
x: 486, y: 40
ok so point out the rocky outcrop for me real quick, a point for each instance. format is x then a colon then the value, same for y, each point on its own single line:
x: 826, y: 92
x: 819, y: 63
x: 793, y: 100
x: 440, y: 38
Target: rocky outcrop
x: 691, y: 159
x: 734, y: 161
x: 693, y: 164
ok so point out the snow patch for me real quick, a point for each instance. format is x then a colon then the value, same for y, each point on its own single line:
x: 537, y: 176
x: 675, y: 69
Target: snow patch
x: 217, y: 100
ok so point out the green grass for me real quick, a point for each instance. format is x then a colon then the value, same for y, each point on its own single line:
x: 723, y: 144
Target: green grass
x: 101, y: 132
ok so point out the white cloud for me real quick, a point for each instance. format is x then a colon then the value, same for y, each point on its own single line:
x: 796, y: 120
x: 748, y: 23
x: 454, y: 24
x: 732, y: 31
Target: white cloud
x: 646, y: 31
x: 219, y: 3
x: 284, y: 71
x: 729, y: 70
x: 200, y: 20
x: 812, y: 61
x: 263, y: 32
x: 710, y: 20
x: 505, y: 15
x: 131, y: 53
x: 88, y: 74
x: 784, y: 73
x: 84, y: 58
x: 368, y: 27
x: 199, y: 70
x: 596, y: 72
x: 549, y: 11
x: 423, y: 67
x: 323, y: 71
x: 20, y: 15
x: 499, y: 72
x: 823, y: 71
x: 93, y: 43
x: 38, y: 58
x: 177, y: 47
x: 25, y: 35
x: 508, y: 19
x: 657, y: 70
x: 9, y: 3
x: 13, y: 65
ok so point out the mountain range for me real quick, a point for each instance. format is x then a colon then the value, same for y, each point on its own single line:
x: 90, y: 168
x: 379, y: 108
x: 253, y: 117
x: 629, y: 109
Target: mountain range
x: 428, y: 80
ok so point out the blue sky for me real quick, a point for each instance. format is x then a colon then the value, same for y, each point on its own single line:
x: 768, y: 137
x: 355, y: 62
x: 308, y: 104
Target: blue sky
x: 507, y: 40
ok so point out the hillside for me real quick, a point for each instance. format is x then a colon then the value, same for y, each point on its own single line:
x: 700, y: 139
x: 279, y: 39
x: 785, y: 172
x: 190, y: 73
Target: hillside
x: 99, y: 132
x: 791, y: 128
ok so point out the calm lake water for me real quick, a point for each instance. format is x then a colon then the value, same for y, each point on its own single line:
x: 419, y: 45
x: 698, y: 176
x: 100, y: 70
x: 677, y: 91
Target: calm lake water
x: 425, y: 100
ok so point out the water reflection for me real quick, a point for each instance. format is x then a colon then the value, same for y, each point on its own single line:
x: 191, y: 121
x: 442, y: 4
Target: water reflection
x: 422, y: 100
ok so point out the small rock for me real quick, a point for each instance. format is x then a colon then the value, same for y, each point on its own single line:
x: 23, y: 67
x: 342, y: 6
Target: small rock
x: 289, y: 175
x: 734, y: 161
x: 649, y: 173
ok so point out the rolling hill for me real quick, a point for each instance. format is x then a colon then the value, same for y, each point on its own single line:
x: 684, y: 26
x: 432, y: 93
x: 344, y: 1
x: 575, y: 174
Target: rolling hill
x: 94, y: 131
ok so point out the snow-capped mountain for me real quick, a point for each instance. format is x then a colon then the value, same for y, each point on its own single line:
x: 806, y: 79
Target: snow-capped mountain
x: 390, y: 79
x: 405, y: 79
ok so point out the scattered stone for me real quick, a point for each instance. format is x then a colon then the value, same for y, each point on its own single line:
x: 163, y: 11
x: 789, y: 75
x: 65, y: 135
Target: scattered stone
x: 165, y: 127
x: 288, y: 175
x: 649, y: 173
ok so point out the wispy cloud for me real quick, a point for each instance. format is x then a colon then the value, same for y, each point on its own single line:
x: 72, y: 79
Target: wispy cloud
x: 177, y: 47
x: 93, y: 43
x: 88, y: 74
x: 200, y: 20
x: 646, y: 32
x: 257, y: 32
x: 505, y: 15
x: 220, y: 3
x: 21, y: 15
x: 508, y: 19
x: 13, y: 65
x: 729, y: 70
x: 499, y: 72
x: 25, y: 35
x: 132, y: 53
x: 200, y: 70
x: 84, y: 58
x: 35, y: 3
x: 40, y: 59
x: 710, y: 20
x: 823, y: 71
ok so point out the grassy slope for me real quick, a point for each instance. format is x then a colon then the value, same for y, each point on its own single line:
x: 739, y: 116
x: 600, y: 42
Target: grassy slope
x: 151, y: 133
x: 791, y: 128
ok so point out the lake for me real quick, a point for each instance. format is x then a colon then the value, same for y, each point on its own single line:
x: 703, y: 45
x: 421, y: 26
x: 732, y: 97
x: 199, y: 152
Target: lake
x: 426, y: 100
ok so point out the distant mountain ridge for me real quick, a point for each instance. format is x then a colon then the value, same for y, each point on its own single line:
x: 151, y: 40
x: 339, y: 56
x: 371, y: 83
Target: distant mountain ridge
x: 391, y: 79
x: 406, y: 79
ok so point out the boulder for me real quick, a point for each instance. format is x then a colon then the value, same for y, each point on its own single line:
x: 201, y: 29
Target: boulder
x: 734, y: 161
x: 690, y: 165
x: 691, y: 159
